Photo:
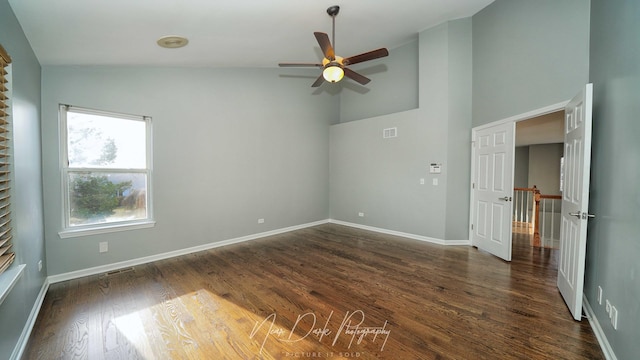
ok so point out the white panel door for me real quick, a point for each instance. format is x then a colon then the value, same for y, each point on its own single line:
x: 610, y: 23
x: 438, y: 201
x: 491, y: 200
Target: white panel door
x: 492, y: 187
x: 575, y: 200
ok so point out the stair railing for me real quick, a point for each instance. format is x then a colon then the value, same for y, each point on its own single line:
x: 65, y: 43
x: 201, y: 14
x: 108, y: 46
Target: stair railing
x: 523, y: 209
x: 537, y: 214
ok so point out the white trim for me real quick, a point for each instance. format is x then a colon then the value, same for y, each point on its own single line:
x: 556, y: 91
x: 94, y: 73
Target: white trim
x: 9, y: 279
x: 527, y: 115
x: 597, y: 330
x: 147, y: 259
x: 65, y: 170
x: 105, y: 229
x: 472, y: 185
x: 402, y: 234
x: 31, y: 321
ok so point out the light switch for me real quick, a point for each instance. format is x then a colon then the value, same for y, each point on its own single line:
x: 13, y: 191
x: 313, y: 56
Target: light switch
x: 435, y: 181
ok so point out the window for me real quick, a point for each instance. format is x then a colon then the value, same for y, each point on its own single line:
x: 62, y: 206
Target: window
x: 6, y: 254
x: 106, y: 170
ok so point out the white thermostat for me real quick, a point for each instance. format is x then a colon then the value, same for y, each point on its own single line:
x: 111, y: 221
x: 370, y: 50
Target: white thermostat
x: 435, y: 168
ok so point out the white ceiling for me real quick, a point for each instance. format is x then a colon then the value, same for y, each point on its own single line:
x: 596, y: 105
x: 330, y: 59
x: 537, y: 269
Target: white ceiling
x: 545, y: 129
x: 240, y: 33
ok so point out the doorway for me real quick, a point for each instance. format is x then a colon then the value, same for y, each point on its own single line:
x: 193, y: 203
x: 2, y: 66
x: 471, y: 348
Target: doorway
x: 487, y: 229
x: 539, y: 147
x: 492, y: 157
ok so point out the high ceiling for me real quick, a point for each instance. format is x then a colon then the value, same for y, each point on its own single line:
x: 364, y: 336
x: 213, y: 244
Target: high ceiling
x: 241, y: 33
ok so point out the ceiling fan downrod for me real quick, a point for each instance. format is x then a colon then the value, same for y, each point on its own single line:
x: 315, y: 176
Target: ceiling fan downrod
x: 333, y: 12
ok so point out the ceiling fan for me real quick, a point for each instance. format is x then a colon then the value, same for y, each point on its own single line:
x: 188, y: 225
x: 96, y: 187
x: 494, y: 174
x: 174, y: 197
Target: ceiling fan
x: 334, y: 67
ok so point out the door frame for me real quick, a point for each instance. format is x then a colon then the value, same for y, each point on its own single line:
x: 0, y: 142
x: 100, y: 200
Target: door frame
x: 512, y: 119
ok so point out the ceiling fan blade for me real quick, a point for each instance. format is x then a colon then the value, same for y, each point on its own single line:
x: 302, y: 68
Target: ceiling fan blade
x: 325, y: 45
x: 374, y: 54
x: 318, y: 81
x: 299, y: 65
x: 363, y: 80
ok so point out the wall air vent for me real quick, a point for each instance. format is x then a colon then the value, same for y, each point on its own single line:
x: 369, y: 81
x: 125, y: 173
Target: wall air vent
x: 390, y: 133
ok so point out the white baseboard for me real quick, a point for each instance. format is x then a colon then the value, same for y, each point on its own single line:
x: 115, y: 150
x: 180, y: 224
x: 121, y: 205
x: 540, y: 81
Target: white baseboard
x: 147, y: 259
x: 31, y: 321
x: 18, y: 351
x: 24, y: 337
x: 597, y: 330
x: 403, y: 234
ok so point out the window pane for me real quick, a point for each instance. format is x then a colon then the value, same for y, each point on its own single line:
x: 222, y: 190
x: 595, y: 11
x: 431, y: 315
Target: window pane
x: 99, y: 141
x: 104, y: 197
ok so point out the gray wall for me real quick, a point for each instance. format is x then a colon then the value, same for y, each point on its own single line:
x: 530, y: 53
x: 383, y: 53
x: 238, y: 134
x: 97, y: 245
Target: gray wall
x: 27, y: 185
x: 230, y: 146
x: 613, y: 244
x: 544, y: 167
x: 521, y: 167
x: 393, y: 87
x: 381, y: 177
x: 538, y: 165
x: 527, y: 55
x: 458, y: 129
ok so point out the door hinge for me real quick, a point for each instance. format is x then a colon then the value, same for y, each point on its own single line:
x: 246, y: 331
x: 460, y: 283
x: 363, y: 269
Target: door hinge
x: 473, y: 185
x: 471, y: 226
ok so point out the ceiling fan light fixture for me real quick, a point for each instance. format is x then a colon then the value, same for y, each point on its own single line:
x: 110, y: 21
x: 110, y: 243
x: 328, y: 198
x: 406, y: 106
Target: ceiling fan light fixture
x: 333, y: 73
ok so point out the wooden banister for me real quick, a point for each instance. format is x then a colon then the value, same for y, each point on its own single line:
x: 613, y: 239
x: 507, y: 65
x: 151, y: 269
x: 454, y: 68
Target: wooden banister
x: 534, y: 188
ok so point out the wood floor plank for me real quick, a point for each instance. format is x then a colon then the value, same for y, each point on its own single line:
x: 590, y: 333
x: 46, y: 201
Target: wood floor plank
x: 320, y: 292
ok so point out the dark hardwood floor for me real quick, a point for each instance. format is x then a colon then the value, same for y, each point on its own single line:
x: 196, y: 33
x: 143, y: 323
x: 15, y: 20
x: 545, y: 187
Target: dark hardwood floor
x: 331, y: 292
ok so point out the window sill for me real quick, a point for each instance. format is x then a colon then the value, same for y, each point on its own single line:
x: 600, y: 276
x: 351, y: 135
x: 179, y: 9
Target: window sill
x: 8, y: 279
x: 105, y: 229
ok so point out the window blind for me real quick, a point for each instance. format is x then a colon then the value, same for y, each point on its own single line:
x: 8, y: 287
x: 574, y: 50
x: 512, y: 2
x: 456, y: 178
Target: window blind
x: 6, y: 252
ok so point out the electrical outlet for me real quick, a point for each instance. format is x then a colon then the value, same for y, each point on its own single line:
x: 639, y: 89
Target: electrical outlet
x: 599, y: 295
x: 422, y: 181
x: 361, y: 214
x: 435, y: 181
x: 104, y: 247
x: 614, y: 317
x: 607, y: 307
x: 260, y: 221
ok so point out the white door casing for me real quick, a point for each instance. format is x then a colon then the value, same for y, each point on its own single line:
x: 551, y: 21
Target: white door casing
x: 575, y: 199
x: 492, y: 188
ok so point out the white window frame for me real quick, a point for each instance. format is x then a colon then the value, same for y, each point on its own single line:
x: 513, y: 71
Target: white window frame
x: 94, y: 229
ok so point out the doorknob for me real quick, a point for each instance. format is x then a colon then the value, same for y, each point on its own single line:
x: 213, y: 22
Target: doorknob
x: 506, y: 198
x: 585, y: 216
x: 576, y: 214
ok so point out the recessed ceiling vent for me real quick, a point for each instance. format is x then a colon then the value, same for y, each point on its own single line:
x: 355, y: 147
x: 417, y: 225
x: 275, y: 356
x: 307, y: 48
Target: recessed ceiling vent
x: 172, y: 42
x: 390, y: 133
